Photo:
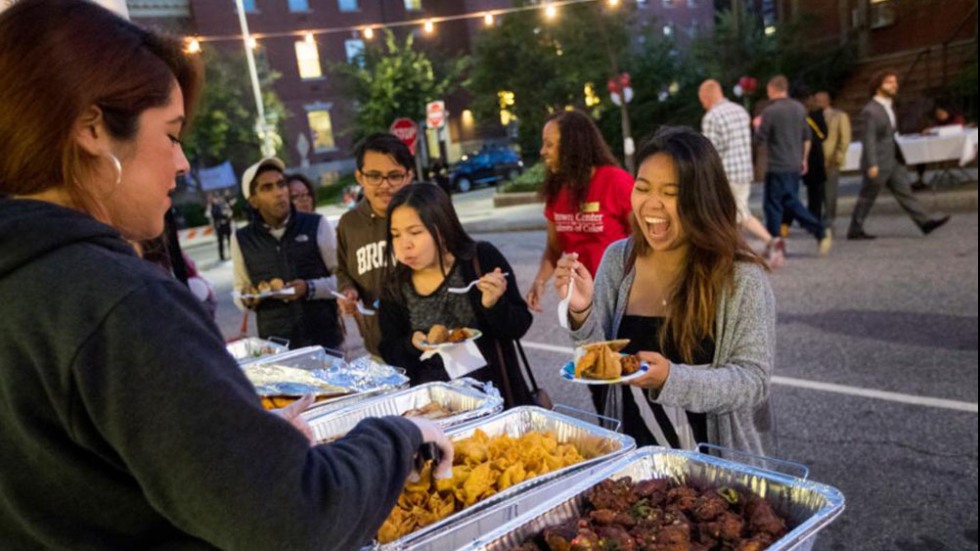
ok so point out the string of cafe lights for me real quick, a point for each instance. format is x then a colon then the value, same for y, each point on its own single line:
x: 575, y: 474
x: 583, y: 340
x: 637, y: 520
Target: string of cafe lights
x: 367, y: 30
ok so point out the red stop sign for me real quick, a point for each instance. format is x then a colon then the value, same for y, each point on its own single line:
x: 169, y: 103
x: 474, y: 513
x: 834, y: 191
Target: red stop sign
x: 405, y: 130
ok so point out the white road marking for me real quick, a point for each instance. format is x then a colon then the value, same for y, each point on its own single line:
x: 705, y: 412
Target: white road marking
x: 898, y: 397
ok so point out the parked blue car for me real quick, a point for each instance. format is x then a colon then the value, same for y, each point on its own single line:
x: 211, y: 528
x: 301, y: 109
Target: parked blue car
x: 489, y: 165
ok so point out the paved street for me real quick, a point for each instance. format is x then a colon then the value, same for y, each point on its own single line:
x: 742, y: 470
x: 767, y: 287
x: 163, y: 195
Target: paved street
x: 876, y: 374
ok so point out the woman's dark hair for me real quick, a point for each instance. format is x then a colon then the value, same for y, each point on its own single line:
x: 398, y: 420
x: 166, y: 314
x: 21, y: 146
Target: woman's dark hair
x: 707, y: 212
x: 436, y: 211
x: 59, y: 58
x: 386, y: 144
x: 580, y: 149
x: 307, y: 183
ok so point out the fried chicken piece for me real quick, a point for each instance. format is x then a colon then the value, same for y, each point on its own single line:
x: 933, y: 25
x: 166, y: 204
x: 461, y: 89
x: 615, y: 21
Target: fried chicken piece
x: 458, y: 335
x: 759, y: 542
x: 763, y: 519
x: 615, y: 537
x: 559, y: 538
x: 630, y: 364
x: 709, y: 505
x: 647, y: 488
x: 437, y: 334
x: 684, y: 497
x: 728, y: 527
x: 675, y: 537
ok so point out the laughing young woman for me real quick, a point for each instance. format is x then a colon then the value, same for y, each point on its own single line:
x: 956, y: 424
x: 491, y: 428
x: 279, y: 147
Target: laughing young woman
x: 693, y: 299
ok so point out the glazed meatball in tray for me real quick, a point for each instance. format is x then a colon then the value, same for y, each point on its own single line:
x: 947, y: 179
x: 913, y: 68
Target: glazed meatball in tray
x: 779, y: 511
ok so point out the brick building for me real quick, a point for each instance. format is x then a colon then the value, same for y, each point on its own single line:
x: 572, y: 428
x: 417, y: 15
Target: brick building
x: 320, y: 111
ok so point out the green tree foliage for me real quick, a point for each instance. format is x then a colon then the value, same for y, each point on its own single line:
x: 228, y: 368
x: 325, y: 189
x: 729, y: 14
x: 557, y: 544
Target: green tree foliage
x: 224, y: 127
x: 546, y: 64
x: 739, y: 46
x: 394, y: 79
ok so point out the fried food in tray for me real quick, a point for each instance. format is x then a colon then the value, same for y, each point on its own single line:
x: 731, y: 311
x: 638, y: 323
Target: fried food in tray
x: 432, y: 410
x: 262, y: 289
x: 439, y: 334
x: 482, y: 466
x: 602, y: 360
x: 658, y: 514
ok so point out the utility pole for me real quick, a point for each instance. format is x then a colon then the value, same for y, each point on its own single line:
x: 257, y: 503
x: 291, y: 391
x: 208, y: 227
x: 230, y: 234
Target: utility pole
x: 629, y: 148
x: 265, y: 131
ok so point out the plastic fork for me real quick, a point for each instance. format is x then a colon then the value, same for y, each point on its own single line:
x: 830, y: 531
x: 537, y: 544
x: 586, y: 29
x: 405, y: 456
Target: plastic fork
x: 360, y: 306
x: 463, y: 290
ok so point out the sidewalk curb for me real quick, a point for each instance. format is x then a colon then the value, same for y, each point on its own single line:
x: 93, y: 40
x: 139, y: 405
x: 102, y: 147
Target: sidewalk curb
x: 939, y: 202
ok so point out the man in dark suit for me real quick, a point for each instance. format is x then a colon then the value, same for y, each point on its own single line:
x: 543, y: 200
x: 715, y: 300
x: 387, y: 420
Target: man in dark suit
x: 879, y: 160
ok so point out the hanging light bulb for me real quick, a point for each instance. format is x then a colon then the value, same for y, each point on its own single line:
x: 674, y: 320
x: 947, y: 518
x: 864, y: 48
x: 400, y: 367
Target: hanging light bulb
x: 368, y: 33
x: 253, y: 44
x: 193, y: 46
x: 310, y: 39
x: 488, y: 19
x: 613, y: 3
x: 551, y: 11
x: 429, y: 27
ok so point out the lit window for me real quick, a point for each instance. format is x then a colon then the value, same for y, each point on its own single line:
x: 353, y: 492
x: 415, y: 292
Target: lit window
x: 321, y: 129
x: 413, y: 5
x: 299, y: 5
x: 347, y: 5
x: 354, y: 47
x: 308, y: 59
x: 249, y: 5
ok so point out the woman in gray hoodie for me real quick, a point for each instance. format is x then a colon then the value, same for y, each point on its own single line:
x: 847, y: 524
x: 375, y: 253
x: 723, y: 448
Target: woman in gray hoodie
x: 693, y: 299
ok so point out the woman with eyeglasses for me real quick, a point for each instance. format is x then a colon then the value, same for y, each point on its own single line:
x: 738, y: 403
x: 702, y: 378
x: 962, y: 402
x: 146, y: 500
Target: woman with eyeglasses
x: 384, y: 165
x: 301, y: 193
x: 433, y: 254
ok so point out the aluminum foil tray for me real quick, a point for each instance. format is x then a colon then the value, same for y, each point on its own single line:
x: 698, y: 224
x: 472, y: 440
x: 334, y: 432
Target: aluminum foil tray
x: 596, y: 444
x: 364, y: 376
x: 254, y: 349
x: 809, y: 506
x: 470, y: 400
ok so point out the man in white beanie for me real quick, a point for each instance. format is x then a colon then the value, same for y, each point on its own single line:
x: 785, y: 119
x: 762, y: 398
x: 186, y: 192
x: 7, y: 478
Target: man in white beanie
x: 300, y: 249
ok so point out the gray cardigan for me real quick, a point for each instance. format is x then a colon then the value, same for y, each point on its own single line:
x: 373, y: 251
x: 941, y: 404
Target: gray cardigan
x: 734, y: 390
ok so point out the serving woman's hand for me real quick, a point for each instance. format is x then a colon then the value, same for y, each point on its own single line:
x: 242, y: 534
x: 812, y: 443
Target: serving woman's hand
x: 432, y: 433
x: 292, y: 413
x: 492, y: 285
x: 656, y: 376
x: 570, y: 271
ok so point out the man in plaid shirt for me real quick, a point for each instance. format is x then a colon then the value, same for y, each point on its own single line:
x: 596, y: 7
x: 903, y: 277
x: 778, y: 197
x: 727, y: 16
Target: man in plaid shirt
x: 728, y: 126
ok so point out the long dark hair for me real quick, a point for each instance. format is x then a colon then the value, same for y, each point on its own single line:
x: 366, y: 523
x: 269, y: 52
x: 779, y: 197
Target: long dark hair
x: 436, y: 211
x: 580, y: 149
x: 707, y: 212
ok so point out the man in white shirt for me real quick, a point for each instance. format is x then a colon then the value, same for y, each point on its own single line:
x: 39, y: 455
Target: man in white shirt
x: 879, y: 160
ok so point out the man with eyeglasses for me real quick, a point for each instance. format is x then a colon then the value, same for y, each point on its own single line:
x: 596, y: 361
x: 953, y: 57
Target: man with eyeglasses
x: 384, y: 165
x: 297, y: 247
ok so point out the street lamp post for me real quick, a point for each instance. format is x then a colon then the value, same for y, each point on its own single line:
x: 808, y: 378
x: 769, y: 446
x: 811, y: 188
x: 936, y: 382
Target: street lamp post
x: 265, y: 130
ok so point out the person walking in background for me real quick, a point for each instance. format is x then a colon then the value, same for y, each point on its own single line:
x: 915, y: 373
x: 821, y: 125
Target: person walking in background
x: 729, y: 128
x: 879, y: 160
x: 298, y: 248
x: 587, y: 196
x: 301, y: 193
x: 783, y: 129
x: 816, y: 174
x: 834, y: 152
x: 384, y: 165
x: 222, y: 220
